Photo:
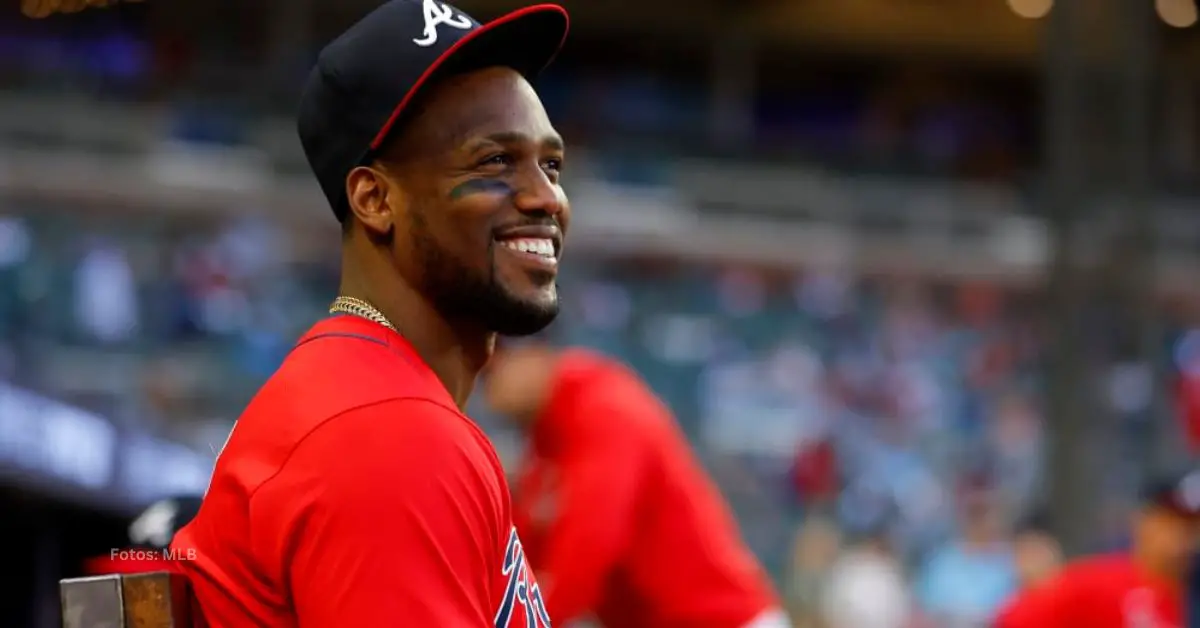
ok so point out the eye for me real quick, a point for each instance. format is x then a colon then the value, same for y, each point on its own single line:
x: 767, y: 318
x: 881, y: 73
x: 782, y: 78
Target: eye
x: 554, y: 164
x: 499, y: 159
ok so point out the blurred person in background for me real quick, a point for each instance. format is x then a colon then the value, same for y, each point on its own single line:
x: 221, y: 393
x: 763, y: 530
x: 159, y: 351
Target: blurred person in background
x: 867, y: 587
x: 353, y: 490
x: 966, y: 580
x: 1037, y: 553
x: 618, y: 517
x: 815, y: 549
x: 1015, y: 446
x: 1143, y: 587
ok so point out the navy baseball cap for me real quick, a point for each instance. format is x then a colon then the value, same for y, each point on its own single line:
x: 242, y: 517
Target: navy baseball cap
x: 1178, y: 493
x: 366, y: 78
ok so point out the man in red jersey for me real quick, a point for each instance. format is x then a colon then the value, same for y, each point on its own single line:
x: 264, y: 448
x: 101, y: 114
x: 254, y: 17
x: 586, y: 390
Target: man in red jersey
x: 353, y: 490
x: 621, y: 522
x: 1144, y: 589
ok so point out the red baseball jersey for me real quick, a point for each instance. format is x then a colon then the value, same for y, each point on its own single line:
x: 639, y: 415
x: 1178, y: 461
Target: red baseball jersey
x: 1102, y: 592
x: 352, y: 492
x: 620, y: 520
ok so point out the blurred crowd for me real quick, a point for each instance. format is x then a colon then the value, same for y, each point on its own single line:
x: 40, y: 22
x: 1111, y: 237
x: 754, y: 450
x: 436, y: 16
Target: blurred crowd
x: 870, y: 429
x: 850, y: 113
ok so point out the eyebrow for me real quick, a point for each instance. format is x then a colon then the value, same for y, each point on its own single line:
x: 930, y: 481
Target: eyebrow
x: 553, y: 142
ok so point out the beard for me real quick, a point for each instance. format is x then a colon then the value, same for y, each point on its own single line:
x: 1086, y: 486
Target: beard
x: 460, y: 292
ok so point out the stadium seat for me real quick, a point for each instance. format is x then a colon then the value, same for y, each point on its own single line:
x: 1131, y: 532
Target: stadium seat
x: 148, y: 600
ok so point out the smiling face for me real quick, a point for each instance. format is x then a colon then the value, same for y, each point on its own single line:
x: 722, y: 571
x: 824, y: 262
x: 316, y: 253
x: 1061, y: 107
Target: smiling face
x: 469, y: 202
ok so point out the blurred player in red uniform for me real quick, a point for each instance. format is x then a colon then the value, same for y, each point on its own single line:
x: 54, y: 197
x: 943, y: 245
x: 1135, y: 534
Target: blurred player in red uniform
x: 353, y: 491
x: 619, y: 519
x: 1143, y: 589
x: 1036, y: 552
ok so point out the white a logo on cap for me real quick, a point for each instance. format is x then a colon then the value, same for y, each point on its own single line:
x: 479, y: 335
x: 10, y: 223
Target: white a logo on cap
x: 439, y: 13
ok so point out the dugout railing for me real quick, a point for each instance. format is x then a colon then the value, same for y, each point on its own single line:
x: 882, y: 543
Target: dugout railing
x: 149, y: 600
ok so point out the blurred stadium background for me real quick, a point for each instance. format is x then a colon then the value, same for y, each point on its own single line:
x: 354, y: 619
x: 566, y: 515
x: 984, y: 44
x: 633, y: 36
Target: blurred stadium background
x: 881, y: 256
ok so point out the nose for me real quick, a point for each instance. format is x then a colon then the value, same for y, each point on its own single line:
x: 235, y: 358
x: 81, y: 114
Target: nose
x: 537, y: 194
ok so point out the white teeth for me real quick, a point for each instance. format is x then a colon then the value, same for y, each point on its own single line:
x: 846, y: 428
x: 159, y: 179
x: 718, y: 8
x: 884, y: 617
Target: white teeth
x: 536, y: 246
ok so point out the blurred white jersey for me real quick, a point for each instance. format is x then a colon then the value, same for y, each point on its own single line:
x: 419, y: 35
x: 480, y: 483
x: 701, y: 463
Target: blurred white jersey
x: 770, y: 619
x: 866, y: 591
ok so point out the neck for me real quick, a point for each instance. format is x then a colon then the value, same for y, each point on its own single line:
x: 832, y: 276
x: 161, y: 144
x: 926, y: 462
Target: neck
x: 542, y: 394
x: 1160, y: 570
x: 455, y: 352
x: 528, y: 420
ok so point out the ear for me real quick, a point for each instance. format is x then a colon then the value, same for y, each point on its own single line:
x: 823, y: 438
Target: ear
x: 373, y: 198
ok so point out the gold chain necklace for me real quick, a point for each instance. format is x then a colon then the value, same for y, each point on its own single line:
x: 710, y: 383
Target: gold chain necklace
x: 361, y: 309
